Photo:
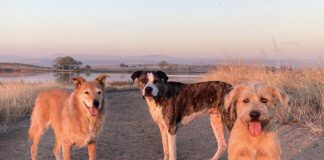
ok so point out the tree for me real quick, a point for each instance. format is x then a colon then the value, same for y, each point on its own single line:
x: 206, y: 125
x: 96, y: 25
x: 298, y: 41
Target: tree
x: 163, y: 63
x: 87, y: 68
x: 67, y: 62
x: 123, y: 65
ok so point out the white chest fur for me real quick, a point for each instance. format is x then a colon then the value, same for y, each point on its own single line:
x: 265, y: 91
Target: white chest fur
x: 155, y: 110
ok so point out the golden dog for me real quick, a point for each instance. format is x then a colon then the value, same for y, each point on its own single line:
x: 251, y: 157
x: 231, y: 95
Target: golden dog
x: 253, y: 136
x: 76, y: 117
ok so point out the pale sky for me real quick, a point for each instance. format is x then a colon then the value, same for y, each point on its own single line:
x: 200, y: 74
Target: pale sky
x: 197, y: 28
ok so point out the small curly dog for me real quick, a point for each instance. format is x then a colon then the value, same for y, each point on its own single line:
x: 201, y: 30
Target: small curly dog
x: 253, y: 135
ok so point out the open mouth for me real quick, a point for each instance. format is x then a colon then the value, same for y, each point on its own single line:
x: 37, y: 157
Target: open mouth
x: 255, y: 128
x: 92, y: 110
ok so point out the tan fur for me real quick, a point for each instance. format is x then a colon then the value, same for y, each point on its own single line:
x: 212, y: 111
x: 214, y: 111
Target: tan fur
x: 69, y: 116
x: 242, y: 145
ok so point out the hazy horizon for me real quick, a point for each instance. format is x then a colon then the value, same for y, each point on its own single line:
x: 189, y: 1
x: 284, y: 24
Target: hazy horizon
x: 203, y: 29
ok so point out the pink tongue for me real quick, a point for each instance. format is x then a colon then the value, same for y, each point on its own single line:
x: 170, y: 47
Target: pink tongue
x: 93, y: 111
x: 255, y: 128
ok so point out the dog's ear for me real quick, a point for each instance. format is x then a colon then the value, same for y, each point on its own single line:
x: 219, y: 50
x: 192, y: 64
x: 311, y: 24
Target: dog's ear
x: 136, y: 75
x: 280, y: 95
x: 162, y: 75
x: 78, y: 81
x: 231, y: 97
x: 229, y: 112
x: 101, y: 79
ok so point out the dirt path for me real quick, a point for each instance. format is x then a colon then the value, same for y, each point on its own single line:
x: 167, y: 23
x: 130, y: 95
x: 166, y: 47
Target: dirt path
x: 129, y: 133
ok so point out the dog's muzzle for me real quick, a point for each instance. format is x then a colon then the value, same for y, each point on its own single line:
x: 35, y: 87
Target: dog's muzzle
x: 255, y: 115
x: 96, y: 103
x: 94, y: 109
x: 148, y: 91
x: 255, y: 126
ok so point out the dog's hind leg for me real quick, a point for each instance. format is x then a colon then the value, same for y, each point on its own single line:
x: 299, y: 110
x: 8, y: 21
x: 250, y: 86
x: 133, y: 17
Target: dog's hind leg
x: 164, y: 136
x: 35, y: 133
x: 217, y: 126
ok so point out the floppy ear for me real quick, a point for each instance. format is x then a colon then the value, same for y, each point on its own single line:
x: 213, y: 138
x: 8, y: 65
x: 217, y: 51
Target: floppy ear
x: 280, y: 95
x: 162, y: 75
x: 229, y: 112
x: 78, y: 81
x: 136, y: 75
x: 231, y: 97
x: 101, y: 79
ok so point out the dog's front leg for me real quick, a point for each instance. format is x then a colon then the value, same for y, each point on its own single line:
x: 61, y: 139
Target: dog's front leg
x: 172, y: 141
x: 67, y: 151
x: 164, y: 136
x: 92, y: 150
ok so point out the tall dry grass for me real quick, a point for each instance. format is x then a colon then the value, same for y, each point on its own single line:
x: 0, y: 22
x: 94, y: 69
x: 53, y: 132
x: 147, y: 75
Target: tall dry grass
x: 17, y: 98
x: 115, y: 86
x: 305, y: 88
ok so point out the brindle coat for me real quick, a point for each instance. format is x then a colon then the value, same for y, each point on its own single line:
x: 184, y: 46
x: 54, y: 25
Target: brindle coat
x: 181, y: 102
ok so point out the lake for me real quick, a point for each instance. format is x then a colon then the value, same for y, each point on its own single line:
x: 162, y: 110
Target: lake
x: 64, y: 77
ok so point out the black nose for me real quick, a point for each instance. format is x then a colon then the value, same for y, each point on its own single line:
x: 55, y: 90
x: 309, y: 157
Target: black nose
x: 254, y: 114
x: 148, y: 90
x: 96, y: 103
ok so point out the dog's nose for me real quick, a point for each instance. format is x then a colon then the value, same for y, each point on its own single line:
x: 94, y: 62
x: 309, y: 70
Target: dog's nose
x: 148, y: 89
x: 96, y: 103
x: 254, y: 114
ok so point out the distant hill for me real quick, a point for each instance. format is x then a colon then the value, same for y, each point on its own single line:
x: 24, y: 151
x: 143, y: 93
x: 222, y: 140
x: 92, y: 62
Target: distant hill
x: 20, y: 67
x: 98, y: 60
x: 102, y: 60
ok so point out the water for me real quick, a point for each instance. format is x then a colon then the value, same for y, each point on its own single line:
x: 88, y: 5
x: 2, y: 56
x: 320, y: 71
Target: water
x: 65, y: 77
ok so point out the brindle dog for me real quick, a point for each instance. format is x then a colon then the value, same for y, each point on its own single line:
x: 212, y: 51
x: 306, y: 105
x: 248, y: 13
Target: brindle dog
x: 174, y: 103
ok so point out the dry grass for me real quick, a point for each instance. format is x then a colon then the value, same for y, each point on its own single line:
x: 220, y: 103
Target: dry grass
x: 17, y: 98
x: 120, y: 86
x: 304, y: 86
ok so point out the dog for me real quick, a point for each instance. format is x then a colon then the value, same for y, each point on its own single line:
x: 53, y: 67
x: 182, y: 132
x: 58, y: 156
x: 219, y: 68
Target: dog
x: 76, y: 117
x: 172, y: 104
x: 253, y: 135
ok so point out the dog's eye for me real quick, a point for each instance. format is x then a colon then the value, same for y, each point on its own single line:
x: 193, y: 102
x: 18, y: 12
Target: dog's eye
x: 264, y: 100
x: 155, y: 81
x: 86, y: 92
x: 246, y: 101
x: 99, y: 92
x: 144, y: 80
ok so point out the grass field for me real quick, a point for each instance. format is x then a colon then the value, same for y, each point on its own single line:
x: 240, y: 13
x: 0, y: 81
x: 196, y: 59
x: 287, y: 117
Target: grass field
x: 17, y: 98
x: 305, y: 88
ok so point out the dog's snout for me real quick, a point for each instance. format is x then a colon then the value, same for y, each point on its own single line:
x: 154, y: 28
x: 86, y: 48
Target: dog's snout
x: 148, y: 89
x: 96, y: 103
x: 254, y: 114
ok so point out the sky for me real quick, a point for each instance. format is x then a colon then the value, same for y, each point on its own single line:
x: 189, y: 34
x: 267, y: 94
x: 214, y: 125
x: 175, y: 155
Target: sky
x: 268, y: 29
